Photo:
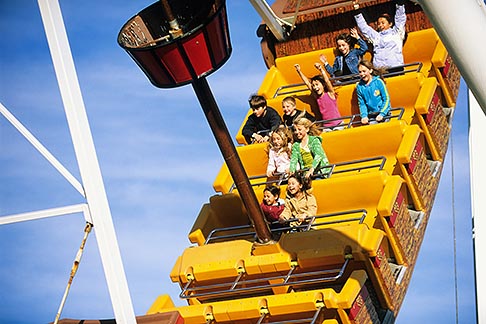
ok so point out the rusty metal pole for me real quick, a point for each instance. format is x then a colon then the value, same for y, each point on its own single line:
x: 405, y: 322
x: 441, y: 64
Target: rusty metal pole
x: 223, y: 138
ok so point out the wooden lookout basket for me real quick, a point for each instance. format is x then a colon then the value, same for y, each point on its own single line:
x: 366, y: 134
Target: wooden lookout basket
x: 169, y: 59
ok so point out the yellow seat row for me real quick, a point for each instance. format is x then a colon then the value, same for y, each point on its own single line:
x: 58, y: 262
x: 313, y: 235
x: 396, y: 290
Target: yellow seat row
x: 353, y: 301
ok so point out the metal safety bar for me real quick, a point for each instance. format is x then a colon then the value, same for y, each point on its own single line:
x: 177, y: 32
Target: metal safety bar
x: 395, y: 113
x: 251, y: 285
x: 330, y: 170
x: 311, y: 222
x: 347, y: 79
x: 312, y: 320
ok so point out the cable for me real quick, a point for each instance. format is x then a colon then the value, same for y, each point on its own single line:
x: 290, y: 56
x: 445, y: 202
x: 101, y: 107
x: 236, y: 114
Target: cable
x: 454, y: 228
x: 74, y: 269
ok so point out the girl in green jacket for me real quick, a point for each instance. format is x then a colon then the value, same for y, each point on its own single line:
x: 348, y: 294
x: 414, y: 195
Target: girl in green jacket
x: 307, y: 152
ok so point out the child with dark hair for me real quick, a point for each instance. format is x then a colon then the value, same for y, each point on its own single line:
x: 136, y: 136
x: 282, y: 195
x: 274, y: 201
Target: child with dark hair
x: 347, y: 61
x: 323, y: 90
x: 263, y: 120
x: 388, y: 39
x: 272, y: 205
x: 300, y: 203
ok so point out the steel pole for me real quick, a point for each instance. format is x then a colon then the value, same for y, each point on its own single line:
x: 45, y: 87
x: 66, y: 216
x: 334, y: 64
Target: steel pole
x: 223, y: 138
x: 87, y: 160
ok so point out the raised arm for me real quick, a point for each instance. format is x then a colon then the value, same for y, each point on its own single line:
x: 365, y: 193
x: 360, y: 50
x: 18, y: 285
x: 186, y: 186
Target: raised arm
x: 303, y: 77
x: 328, y: 82
x: 400, y: 19
x: 362, y: 46
x: 368, y: 32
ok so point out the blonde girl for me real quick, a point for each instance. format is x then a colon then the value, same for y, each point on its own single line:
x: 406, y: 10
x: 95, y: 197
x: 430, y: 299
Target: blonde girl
x: 307, y: 151
x: 279, y: 150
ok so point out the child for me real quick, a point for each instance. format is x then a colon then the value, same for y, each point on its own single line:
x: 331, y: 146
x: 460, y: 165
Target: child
x: 322, y: 89
x: 347, y: 61
x: 279, y: 150
x: 388, y: 39
x: 373, y: 97
x: 300, y: 203
x: 263, y: 120
x: 307, y: 152
x: 272, y: 205
x: 291, y: 112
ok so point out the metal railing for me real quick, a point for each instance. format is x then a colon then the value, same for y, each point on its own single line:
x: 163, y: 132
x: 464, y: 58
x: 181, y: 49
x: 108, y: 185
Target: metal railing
x: 351, y: 120
x: 289, y: 89
x: 311, y: 320
x: 235, y: 232
x: 323, y: 172
x: 241, y: 285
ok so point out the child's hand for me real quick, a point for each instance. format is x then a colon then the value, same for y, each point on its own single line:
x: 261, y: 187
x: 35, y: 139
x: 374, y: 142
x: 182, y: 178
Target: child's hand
x: 318, y: 66
x: 309, y: 173
x: 302, y: 217
x: 297, y: 67
x: 323, y: 59
x: 365, y: 120
x: 354, y: 33
x: 379, y: 118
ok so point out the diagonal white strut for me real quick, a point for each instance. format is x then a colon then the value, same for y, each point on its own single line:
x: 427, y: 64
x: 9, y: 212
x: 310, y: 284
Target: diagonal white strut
x: 87, y: 160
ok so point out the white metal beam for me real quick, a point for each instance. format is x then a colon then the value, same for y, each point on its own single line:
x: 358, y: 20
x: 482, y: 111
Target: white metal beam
x: 52, y: 212
x: 461, y: 26
x: 42, y: 149
x: 477, y: 160
x: 274, y: 23
x: 87, y: 160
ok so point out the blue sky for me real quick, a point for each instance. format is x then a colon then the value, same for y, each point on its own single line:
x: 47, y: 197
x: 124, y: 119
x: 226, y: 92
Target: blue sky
x: 158, y: 159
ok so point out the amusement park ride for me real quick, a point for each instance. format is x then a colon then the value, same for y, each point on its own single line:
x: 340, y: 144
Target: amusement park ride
x: 356, y: 262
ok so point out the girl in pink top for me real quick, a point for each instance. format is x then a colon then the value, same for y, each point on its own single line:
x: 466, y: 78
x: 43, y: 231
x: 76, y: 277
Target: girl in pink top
x: 322, y: 89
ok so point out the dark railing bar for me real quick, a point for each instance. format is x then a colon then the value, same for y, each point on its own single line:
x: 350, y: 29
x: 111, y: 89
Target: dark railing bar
x: 350, y: 79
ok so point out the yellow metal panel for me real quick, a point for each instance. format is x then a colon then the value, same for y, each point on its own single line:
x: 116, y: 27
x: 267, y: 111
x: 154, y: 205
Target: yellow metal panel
x: 363, y: 142
x: 197, y: 237
x: 201, y: 226
x: 292, y: 303
x: 351, y: 289
x: 245, y: 308
x: 254, y: 158
x: 392, y: 188
x: 176, y: 270
x: 272, y: 80
x: 426, y: 95
x: 163, y: 302
x: 409, y: 140
x: 240, y: 139
x: 420, y: 47
x: 327, y: 246
x: 239, y: 309
x: 440, y: 55
x: 347, y: 193
x: 218, y: 260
